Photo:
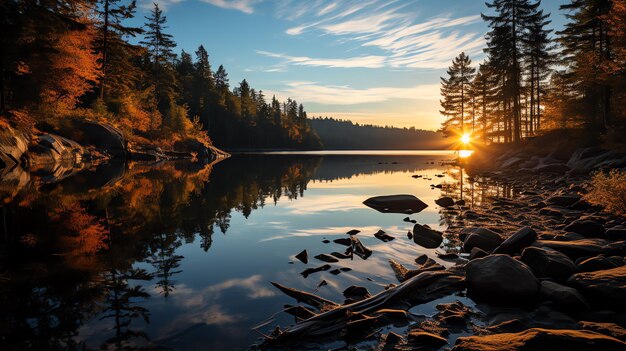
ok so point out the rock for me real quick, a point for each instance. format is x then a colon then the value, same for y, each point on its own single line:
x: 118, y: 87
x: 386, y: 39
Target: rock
x: 587, y: 228
x: 551, y: 211
x: 563, y: 200
x: 477, y: 253
x: 310, y: 271
x: 606, y: 287
x: 482, y: 239
x: 353, y: 232
x: 563, y: 296
x: 391, y: 340
x: 426, y: 237
x: 426, y: 339
x: 343, y: 241
x: 381, y: 235
x: 52, y: 149
x: 303, y: 257
x: 597, y: 263
x: 13, y: 144
x: 584, y: 248
x: 539, y: 339
x: 396, y: 204
x: 616, y: 233
x: 340, y: 255
x: 445, y: 201
x: 502, y: 280
x: 326, y: 258
x: 558, y: 168
x: 546, y: 263
x: 356, y: 293
x: 518, y: 241
x: 101, y: 135
x: 609, y: 329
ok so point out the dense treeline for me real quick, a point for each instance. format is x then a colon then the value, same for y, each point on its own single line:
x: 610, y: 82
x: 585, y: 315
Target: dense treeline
x: 76, y: 59
x: 334, y: 135
x: 533, y: 80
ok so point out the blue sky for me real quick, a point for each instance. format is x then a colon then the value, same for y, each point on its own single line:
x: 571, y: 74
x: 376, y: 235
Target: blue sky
x: 370, y: 61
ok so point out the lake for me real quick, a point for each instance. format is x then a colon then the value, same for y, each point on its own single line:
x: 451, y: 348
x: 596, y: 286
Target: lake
x: 181, y: 255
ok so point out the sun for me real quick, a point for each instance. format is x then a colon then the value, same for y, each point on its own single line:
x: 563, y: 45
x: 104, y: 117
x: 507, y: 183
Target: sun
x: 466, y: 138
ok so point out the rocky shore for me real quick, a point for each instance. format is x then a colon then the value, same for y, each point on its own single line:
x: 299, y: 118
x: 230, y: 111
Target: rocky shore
x: 543, y: 269
x: 79, y: 146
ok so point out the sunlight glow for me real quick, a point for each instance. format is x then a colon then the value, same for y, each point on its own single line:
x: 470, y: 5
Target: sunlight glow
x: 466, y: 138
x: 465, y: 153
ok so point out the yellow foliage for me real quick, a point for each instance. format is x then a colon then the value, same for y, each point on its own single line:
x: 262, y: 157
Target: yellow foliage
x: 609, y: 191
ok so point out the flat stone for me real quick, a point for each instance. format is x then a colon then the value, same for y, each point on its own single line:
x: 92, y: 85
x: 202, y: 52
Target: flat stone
x: 396, y: 204
x: 606, y: 287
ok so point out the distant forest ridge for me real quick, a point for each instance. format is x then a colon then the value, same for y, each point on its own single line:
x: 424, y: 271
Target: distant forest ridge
x: 338, y: 134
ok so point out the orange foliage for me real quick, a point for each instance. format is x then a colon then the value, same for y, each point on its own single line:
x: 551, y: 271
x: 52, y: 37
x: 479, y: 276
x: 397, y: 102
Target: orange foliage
x: 86, y: 233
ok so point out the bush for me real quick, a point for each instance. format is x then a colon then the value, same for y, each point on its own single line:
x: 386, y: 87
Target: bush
x: 609, y: 191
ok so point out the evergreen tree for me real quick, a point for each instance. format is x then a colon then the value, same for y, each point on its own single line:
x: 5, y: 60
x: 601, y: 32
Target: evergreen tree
x: 455, y: 91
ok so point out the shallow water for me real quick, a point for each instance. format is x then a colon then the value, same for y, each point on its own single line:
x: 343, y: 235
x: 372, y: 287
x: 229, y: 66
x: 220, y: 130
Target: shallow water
x: 181, y: 255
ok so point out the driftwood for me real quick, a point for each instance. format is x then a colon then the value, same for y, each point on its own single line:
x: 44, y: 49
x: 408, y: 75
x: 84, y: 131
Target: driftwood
x: 425, y: 287
x: 402, y: 273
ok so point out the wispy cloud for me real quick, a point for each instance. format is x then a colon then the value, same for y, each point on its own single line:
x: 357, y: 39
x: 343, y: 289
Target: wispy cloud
x: 345, y: 95
x: 407, y: 41
x: 163, y: 4
x: 349, y: 62
x: 245, y: 6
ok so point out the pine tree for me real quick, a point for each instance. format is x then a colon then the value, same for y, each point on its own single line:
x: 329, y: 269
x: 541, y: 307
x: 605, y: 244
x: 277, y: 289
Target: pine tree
x: 455, y: 91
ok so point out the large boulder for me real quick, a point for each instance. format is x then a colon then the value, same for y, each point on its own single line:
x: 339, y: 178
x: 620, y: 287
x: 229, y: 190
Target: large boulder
x: 483, y: 239
x: 563, y: 200
x: 517, y: 242
x: 539, y: 339
x: 587, y: 228
x: 50, y: 149
x: 616, y: 233
x: 606, y: 287
x: 396, y: 204
x: 547, y: 263
x: 427, y: 237
x: 501, y: 280
x: 101, y: 135
x: 585, y: 247
x: 599, y: 263
x: 445, y: 201
x: 13, y: 144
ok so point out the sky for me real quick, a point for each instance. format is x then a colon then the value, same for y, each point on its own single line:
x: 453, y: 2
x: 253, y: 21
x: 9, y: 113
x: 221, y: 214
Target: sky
x: 369, y: 61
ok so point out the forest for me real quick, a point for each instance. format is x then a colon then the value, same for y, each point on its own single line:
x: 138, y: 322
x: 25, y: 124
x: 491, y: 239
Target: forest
x: 535, y: 79
x: 67, y: 60
x: 333, y: 132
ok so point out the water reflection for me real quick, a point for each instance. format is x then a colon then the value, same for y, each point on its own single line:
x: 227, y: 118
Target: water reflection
x: 121, y: 256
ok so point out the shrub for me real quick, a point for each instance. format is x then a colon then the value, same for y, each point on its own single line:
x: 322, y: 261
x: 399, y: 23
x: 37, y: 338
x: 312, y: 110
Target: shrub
x: 609, y: 191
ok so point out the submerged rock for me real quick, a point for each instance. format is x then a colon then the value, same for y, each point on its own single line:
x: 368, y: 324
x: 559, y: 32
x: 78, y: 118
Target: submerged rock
x: 426, y: 237
x: 445, y: 201
x: 381, y: 235
x: 501, y: 280
x: 539, y: 339
x: 310, y: 271
x: 326, y: 258
x: 396, y: 204
x: 303, y: 257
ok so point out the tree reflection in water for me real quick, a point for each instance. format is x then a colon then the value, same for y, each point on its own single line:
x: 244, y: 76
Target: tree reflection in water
x: 70, y: 249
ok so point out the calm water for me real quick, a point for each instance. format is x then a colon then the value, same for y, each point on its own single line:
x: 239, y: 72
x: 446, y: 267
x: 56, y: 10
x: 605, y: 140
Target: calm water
x: 181, y: 255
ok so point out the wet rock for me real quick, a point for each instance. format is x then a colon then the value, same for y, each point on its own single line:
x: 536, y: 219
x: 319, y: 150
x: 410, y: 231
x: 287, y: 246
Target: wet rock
x: 556, y: 168
x: 538, y: 339
x: 455, y: 313
x: 101, y: 135
x: 587, y: 228
x: 426, y: 237
x: 518, y: 241
x: 303, y: 257
x: 483, y: 239
x: 51, y: 149
x: 391, y: 340
x: 326, y: 258
x: 551, y: 211
x: 340, y: 255
x: 616, y: 233
x: 359, y: 249
x: 609, y: 329
x: 477, y: 253
x: 353, y: 232
x: 563, y: 296
x: 606, y: 287
x: 356, y: 293
x: 13, y: 144
x: 326, y: 241
x: 563, y: 200
x: 584, y: 248
x: 422, y: 338
x: 546, y: 263
x: 598, y: 263
x: 335, y: 272
x: 381, y: 235
x: 343, y: 241
x: 471, y: 230
x: 396, y: 204
x: 310, y: 271
x: 445, y: 201
x: 509, y: 326
x: 502, y: 280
